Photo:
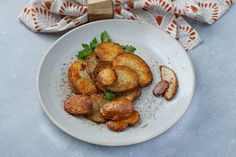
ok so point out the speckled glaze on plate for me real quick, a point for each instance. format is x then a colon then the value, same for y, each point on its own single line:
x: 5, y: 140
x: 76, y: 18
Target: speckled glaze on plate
x: 153, y: 45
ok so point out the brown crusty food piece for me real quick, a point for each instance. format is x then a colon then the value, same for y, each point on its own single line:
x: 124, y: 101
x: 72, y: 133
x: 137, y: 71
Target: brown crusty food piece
x: 127, y: 79
x: 107, y: 51
x: 104, y: 74
x: 91, y: 63
x: 99, y: 67
x: 97, y: 102
x: 117, y: 109
x: 124, y: 123
x: 79, y: 80
x: 169, y: 75
x: 78, y: 105
x: 160, y: 88
x: 137, y: 64
x: 132, y: 94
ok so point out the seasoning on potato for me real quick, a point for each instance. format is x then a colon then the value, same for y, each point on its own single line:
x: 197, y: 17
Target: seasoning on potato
x: 127, y: 79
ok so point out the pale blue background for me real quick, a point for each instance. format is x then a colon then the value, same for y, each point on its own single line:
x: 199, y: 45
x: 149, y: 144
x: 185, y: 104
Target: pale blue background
x: 208, y: 128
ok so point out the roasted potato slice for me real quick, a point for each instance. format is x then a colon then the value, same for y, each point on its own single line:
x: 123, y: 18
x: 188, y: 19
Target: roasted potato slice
x: 97, y: 69
x: 91, y: 63
x: 78, y: 105
x: 97, y: 103
x: 127, y: 79
x: 124, y: 123
x: 107, y: 51
x: 117, y: 109
x: 169, y: 75
x: 79, y: 79
x: 104, y: 74
x: 131, y: 95
x: 137, y: 64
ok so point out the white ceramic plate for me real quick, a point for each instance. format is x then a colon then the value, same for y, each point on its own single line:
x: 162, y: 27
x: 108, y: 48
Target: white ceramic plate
x: 153, y: 45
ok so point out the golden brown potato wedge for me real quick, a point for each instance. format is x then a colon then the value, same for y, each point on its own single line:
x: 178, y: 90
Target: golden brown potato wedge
x: 169, y: 75
x: 107, y: 51
x: 117, y: 109
x: 124, y: 123
x: 97, y: 103
x: 131, y: 95
x: 127, y: 79
x: 79, y: 79
x: 137, y: 64
x: 78, y: 105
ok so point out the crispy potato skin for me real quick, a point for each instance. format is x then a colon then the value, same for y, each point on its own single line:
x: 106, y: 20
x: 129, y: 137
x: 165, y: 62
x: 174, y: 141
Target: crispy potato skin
x: 91, y: 63
x: 107, y: 51
x: 160, y: 88
x: 124, y: 123
x: 127, y: 79
x: 137, y: 64
x: 169, y: 75
x: 97, y: 103
x: 73, y: 75
x: 117, y: 109
x: 131, y: 95
x: 78, y: 105
x: 98, y: 68
x: 104, y: 75
x: 79, y: 79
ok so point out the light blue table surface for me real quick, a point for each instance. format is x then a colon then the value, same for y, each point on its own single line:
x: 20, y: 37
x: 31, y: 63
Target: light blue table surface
x: 208, y: 128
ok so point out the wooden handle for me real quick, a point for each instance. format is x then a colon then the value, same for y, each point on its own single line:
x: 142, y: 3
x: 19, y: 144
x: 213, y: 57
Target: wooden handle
x: 99, y: 9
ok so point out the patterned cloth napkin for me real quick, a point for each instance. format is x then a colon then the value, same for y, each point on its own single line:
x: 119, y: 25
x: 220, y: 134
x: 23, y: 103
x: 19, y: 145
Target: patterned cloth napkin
x: 58, y: 15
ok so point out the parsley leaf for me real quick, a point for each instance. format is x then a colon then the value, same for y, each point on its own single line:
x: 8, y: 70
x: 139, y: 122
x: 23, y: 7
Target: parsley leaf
x: 110, y: 95
x: 88, y: 48
x: 105, y: 37
x: 83, y: 54
x: 128, y: 48
x: 93, y: 44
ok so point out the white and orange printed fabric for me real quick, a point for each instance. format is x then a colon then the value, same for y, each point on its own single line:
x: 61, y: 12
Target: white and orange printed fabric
x: 59, y: 15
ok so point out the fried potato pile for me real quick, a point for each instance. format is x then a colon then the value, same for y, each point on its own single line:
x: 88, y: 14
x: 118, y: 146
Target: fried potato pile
x: 106, y: 86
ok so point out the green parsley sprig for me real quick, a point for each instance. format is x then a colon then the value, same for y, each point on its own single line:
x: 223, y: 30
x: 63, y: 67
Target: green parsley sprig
x: 128, y: 48
x: 88, y: 48
x: 110, y: 95
x: 104, y: 37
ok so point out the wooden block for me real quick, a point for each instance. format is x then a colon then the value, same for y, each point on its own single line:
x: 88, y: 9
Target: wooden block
x: 99, y: 9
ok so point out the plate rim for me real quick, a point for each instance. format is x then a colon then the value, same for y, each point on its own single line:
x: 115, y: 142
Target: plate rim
x: 169, y: 124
